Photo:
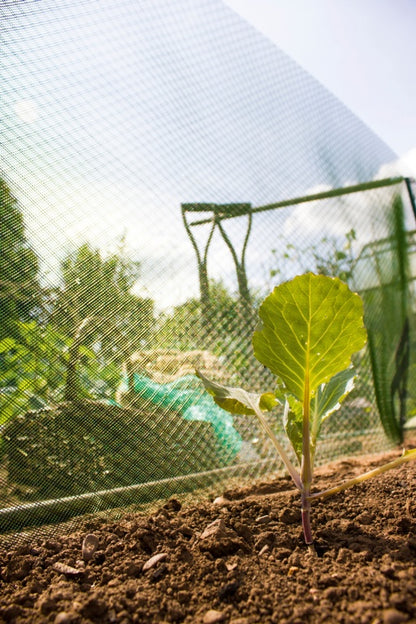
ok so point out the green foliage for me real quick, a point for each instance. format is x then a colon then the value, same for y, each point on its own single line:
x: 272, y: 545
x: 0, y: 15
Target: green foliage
x: 331, y: 256
x: 237, y: 400
x: 180, y: 328
x: 19, y: 287
x: 183, y: 327
x: 38, y: 333
x: 326, y: 401
x: 33, y: 371
x: 100, y: 288
x: 388, y: 318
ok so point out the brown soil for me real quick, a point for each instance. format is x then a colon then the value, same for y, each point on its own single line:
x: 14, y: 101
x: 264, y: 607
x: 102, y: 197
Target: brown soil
x: 240, y: 561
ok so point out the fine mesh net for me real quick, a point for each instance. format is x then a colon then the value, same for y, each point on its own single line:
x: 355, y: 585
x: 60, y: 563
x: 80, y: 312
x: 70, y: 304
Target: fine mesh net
x: 164, y: 167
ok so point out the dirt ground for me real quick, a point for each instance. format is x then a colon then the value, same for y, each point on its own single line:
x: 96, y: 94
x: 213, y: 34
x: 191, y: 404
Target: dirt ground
x: 238, y: 560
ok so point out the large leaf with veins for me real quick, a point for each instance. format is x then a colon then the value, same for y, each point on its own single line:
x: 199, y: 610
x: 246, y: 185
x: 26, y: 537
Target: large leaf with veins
x: 310, y: 328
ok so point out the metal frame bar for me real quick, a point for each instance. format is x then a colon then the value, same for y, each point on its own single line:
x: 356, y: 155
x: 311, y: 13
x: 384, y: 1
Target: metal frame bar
x: 221, y: 212
x: 345, y: 190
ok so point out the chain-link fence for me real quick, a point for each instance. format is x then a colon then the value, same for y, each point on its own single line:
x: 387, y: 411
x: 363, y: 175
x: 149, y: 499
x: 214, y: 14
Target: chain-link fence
x: 164, y: 167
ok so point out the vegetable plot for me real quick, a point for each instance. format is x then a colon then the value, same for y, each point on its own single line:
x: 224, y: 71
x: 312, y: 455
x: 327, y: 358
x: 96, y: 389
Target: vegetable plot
x: 310, y: 327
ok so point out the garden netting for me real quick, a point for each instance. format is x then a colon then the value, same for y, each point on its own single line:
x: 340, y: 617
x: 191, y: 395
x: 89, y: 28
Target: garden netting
x: 164, y: 166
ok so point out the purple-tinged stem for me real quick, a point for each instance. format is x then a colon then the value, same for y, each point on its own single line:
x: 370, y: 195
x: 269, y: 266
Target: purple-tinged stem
x: 306, y: 518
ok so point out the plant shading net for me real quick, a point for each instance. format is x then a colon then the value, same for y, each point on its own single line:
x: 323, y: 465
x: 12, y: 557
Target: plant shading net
x: 123, y: 124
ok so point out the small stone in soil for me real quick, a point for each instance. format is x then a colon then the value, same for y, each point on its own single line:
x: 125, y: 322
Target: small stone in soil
x: 218, y: 530
x: 264, y: 550
x: 393, y: 616
x: 65, y: 617
x: 89, y: 546
x: 213, y: 617
x: 263, y: 519
x: 220, y: 500
x: 150, y: 563
x: 63, y: 568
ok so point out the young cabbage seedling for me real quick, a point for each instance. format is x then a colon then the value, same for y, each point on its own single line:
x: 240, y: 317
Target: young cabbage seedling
x: 310, y: 327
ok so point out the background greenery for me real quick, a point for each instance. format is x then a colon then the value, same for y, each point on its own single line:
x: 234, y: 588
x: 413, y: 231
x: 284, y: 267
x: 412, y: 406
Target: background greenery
x: 70, y: 341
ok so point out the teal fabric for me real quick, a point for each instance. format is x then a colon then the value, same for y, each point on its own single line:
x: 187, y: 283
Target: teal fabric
x: 187, y: 396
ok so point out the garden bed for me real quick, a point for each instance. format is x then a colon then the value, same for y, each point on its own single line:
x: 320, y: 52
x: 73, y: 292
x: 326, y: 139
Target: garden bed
x: 88, y: 446
x: 239, y: 560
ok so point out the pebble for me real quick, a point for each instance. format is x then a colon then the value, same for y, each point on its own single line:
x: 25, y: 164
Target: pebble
x: 220, y: 500
x: 65, y: 617
x: 89, y: 546
x: 231, y: 566
x: 263, y: 519
x: 218, y: 530
x: 264, y: 550
x: 212, y: 617
x: 393, y: 616
x: 63, y: 568
x: 150, y: 563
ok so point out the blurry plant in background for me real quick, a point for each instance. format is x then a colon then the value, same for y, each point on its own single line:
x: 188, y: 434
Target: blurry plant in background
x: 330, y: 256
x: 388, y: 318
x: 20, y: 293
x: 227, y: 333
x: 32, y: 371
x: 99, y: 288
x: 38, y: 332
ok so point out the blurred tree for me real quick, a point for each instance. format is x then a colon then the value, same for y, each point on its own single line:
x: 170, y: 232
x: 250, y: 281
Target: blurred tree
x: 99, y: 288
x: 184, y: 328
x: 227, y: 334
x: 333, y: 256
x: 20, y: 292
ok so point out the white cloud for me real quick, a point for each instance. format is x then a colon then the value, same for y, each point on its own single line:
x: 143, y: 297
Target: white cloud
x: 403, y: 166
x: 361, y: 211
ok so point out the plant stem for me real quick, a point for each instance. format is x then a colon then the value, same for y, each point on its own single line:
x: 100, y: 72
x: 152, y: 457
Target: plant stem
x: 269, y: 431
x: 408, y: 456
x: 306, y: 518
x: 306, y: 468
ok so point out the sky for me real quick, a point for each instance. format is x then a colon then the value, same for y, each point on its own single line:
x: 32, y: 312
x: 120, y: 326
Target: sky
x: 114, y: 113
x: 362, y: 50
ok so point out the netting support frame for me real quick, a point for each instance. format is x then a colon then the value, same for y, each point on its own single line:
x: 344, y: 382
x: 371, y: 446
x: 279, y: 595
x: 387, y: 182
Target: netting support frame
x: 219, y: 212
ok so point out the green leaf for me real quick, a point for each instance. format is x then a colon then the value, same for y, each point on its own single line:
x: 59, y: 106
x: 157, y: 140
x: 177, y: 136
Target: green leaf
x: 268, y: 401
x: 327, y: 400
x: 311, y: 326
x: 329, y: 396
x: 6, y: 344
x: 237, y: 400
